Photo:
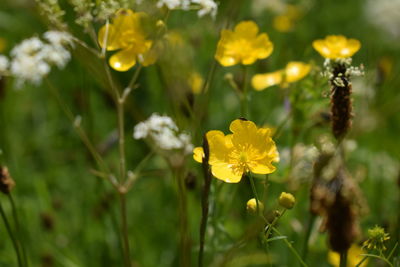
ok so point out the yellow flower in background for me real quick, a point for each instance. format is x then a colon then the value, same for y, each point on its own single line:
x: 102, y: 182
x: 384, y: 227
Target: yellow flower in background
x: 286, y: 21
x: 296, y: 71
x: 2, y: 45
x: 243, y: 45
x: 353, y: 257
x: 247, y: 149
x: 126, y: 33
x: 336, y: 46
x: 293, y: 72
x: 262, y: 81
x: 196, y: 82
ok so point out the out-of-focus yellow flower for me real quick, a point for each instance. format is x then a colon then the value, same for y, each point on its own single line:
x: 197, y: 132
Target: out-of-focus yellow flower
x: 243, y: 45
x: 262, y: 81
x: 247, y: 149
x: 353, y: 257
x: 296, y: 71
x: 2, y: 45
x: 293, y: 72
x: 196, y: 82
x: 285, y: 22
x: 336, y: 46
x: 198, y: 154
x: 126, y: 33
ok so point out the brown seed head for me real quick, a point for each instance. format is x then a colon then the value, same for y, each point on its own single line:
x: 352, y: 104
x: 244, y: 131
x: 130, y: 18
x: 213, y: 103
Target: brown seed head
x: 6, y: 182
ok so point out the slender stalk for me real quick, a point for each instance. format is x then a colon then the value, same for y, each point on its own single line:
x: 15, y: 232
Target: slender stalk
x: 79, y: 130
x: 343, y: 259
x: 184, y: 243
x: 124, y: 230
x: 310, y: 225
x: 290, y: 246
x: 12, y: 237
x: 18, y: 228
x: 361, y: 261
x: 119, y: 102
x: 244, y: 98
x: 253, y: 188
x: 204, y: 200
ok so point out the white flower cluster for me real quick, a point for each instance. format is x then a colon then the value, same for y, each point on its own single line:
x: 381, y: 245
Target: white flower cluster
x: 164, y: 132
x: 351, y: 71
x: 205, y: 6
x: 32, y: 59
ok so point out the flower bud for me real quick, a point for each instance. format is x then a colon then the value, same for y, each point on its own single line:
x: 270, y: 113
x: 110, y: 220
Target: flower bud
x: 286, y: 200
x: 251, y: 206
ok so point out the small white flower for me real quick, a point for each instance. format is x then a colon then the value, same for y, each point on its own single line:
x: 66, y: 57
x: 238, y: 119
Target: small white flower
x: 4, y: 63
x: 207, y: 7
x: 58, y: 38
x: 55, y: 54
x: 163, y: 131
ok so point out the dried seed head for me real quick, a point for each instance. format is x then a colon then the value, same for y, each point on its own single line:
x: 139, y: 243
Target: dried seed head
x: 6, y: 182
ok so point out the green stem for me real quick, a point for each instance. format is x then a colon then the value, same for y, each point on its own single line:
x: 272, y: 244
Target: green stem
x: 361, y: 261
x: 204, y: 200
x: 378, y: 257
x: 343, y: 259
x: 124, y: 230
x: 184, y: 244
x: 18, y: 228
x: 310, y: 225
x: 292, y: 249
x: 253, y: 188
x: 12, y: 237
x: 244, y: 98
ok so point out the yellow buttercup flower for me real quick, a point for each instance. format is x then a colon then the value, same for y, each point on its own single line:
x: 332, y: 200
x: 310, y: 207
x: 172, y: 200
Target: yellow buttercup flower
x: 336, y: 46
x: 353, y: 257
x: 296, y: 71
x: 196, y: 82
x: 247, y: 149
x: 243, y: 45
x: 127, y: 34
x: 293, y: 72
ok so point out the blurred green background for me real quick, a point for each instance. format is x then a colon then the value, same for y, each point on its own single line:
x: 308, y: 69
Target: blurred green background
x: 69, y: 217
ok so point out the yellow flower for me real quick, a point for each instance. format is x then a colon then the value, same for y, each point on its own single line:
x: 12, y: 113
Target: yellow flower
x: 353, y: 257
x: 243, y: 45
x: 293, y: 72
x: 3, y: 44
x: 336, y: 46
x: 127, y: 34
x: 285, y: 22
x: 247, y: 149
x: 195, y: 82
x: 296, y: 71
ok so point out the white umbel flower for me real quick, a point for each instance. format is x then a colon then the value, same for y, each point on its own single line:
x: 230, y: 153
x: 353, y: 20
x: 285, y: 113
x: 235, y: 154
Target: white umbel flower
x: 32, y: 59
x: 4, y: 64
x: 163, y: 131
x: 205, y: 6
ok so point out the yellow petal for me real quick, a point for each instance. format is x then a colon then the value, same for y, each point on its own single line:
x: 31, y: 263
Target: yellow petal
x: 108, y: 37
x: 150, y: 56
x: 225, y: 173
x: 336, y: 46
x: 353, y: 257
x: 263, y: 46
x: 261, y: 167
x: 262, y: 81
x: 295, y: 71
x: 224, y: 55
x: 198, y: 154
x: 124, y: 59
x: 246, y: 29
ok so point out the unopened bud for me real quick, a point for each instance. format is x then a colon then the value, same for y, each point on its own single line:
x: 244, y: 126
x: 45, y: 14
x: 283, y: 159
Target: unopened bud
x: 286, y: 200
x: 251, y: 206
